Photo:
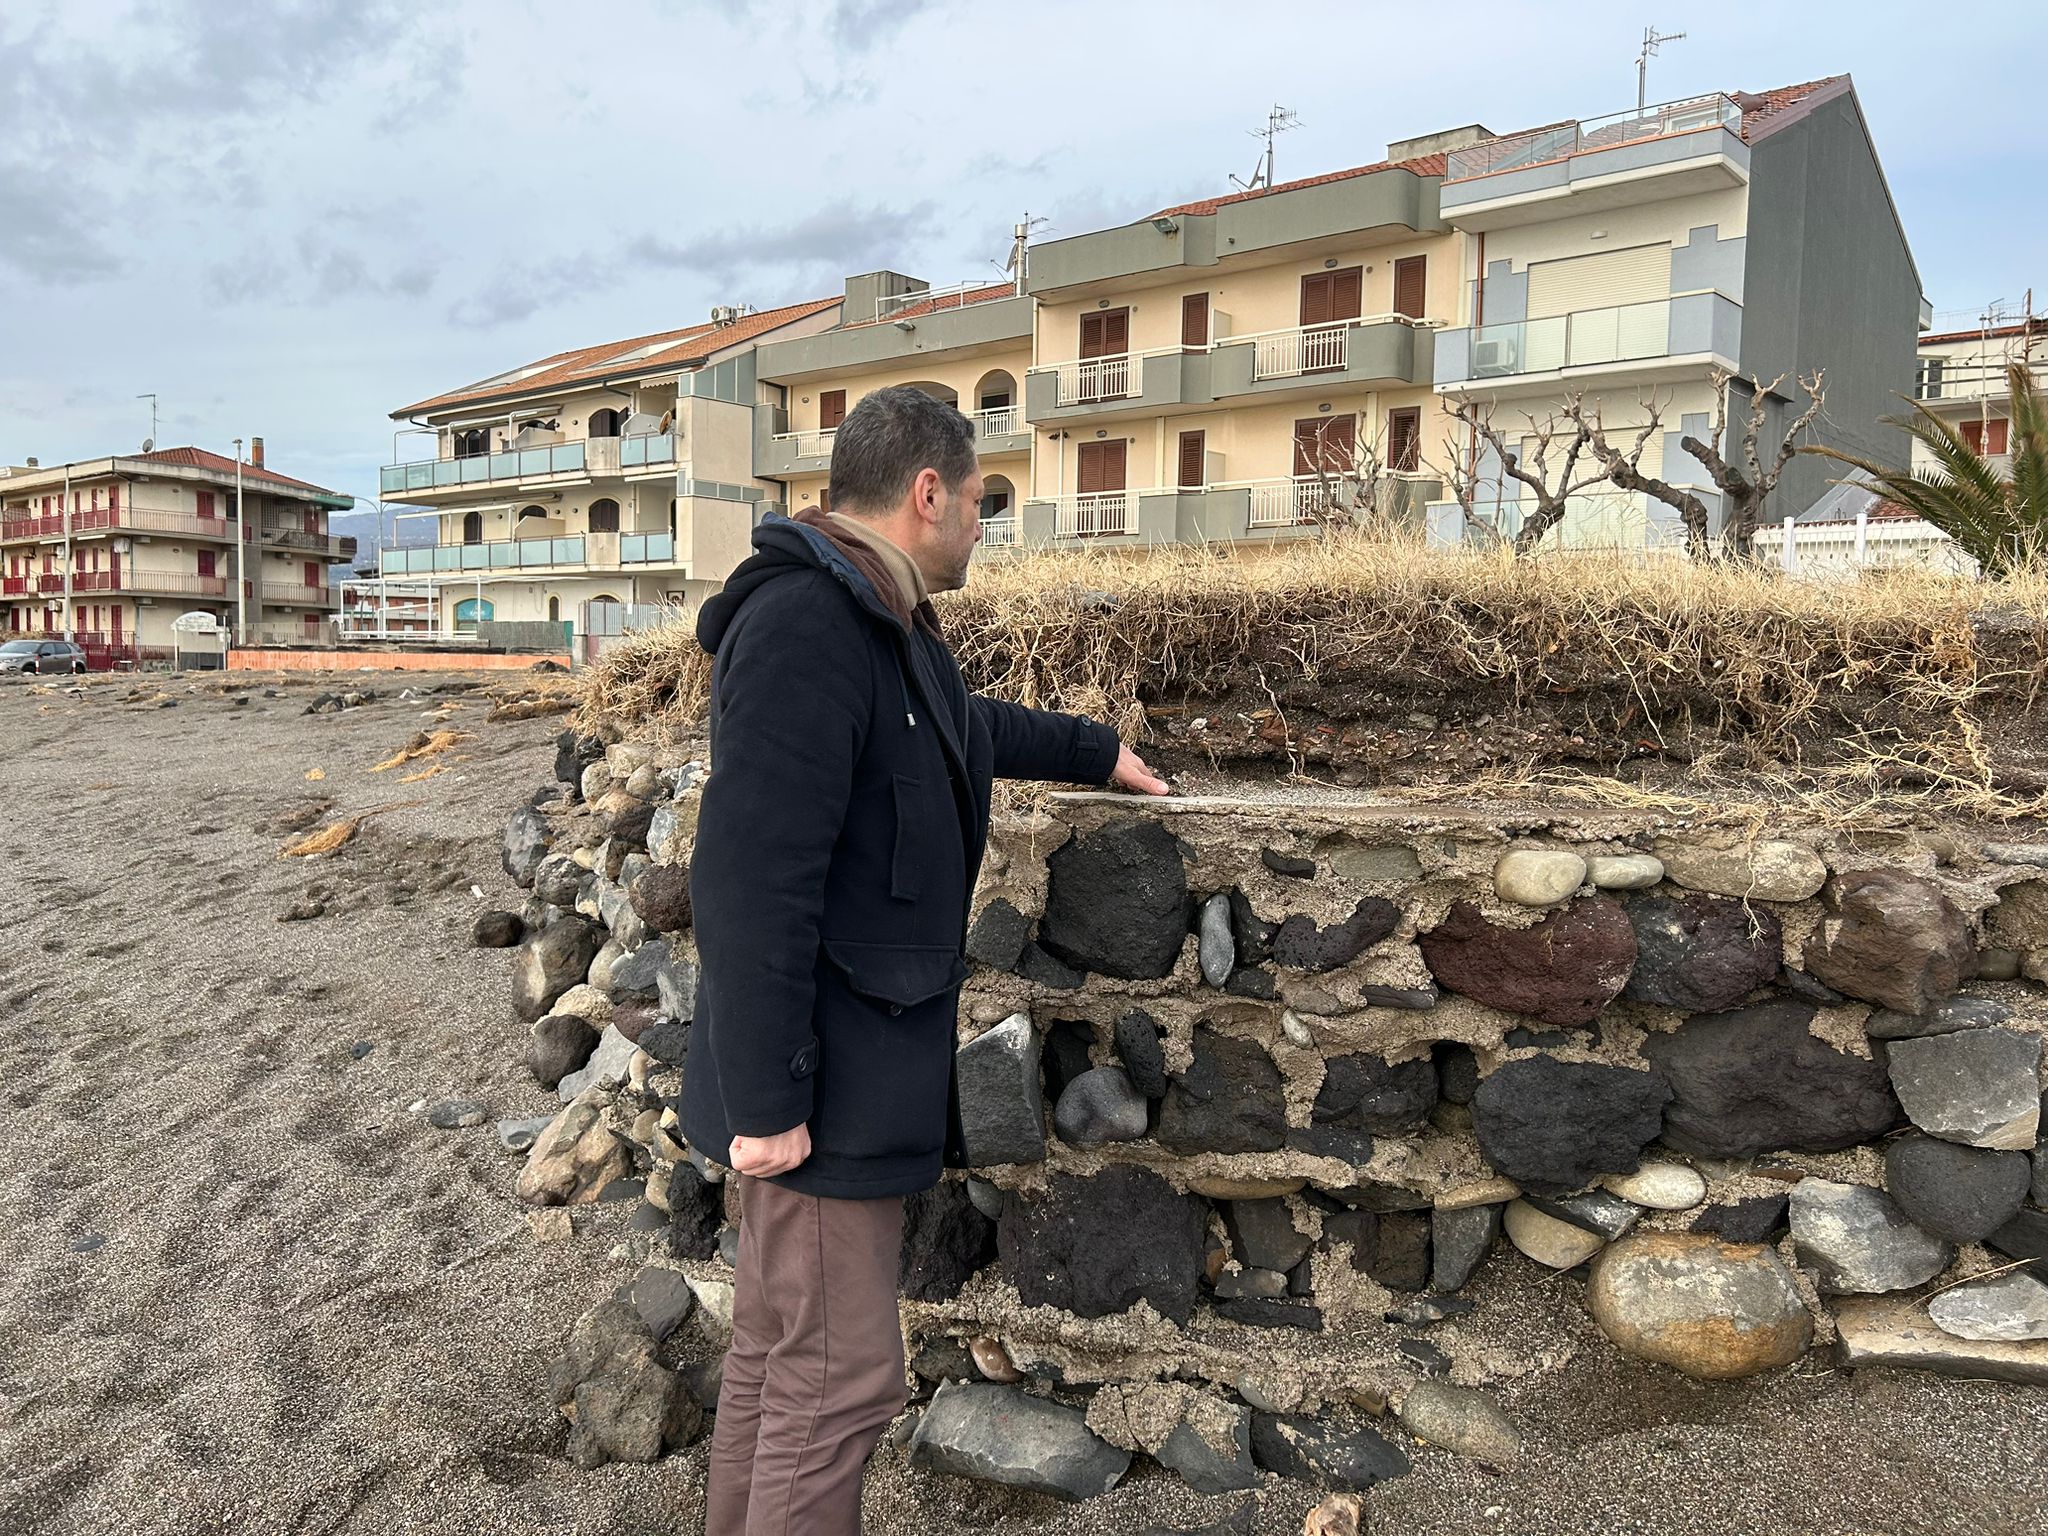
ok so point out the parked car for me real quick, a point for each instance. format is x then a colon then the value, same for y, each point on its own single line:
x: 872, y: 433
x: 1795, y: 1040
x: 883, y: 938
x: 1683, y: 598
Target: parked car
x: 40, y: 657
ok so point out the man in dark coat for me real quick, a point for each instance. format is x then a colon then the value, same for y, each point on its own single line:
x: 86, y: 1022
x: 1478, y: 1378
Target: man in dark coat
x: 838, y: 842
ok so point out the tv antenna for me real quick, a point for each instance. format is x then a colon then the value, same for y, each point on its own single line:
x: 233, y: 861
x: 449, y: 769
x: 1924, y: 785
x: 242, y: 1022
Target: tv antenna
x: 1020, y: 246
x: 1278, y: 121
x: 150, y: 445
x: 1651, y: 39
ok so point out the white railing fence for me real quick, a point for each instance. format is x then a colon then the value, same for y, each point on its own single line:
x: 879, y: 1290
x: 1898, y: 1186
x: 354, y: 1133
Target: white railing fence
x: 998, y: 421
x: 1844, y: 548
x: 998, y: 532
x: 1305, y: 349
x: 1097, y: 378
x: 815, y: 443
x: 1094, y: 514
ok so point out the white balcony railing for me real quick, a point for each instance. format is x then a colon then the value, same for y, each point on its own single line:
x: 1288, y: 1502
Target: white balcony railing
x: 1304, y: 349
x: 1539, y: 145
x: 999, y: 421
x: 813, y: 444
x: 1089, y: 379
x: 998, y: 532
x: 1288, y: 503
x: 1094, y: 515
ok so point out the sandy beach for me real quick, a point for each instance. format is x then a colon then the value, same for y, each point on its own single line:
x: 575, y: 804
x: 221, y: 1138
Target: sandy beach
x: 249, y: 1289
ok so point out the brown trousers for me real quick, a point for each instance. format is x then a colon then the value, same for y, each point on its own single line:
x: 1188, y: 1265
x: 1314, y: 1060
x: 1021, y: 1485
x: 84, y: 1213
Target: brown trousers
x: 815, y: 1372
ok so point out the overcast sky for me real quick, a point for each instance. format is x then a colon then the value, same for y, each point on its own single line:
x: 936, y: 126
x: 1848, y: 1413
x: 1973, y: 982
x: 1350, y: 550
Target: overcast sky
x: 287, y: 219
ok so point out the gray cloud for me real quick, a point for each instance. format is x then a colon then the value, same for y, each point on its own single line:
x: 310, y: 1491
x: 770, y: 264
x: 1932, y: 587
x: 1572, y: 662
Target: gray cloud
x: 859, y: 25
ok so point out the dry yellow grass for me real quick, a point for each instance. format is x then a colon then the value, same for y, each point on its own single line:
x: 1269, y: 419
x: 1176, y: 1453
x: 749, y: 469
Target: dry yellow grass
x: 336, y: 835
x: 1892, y: 674
x: 423, y: 744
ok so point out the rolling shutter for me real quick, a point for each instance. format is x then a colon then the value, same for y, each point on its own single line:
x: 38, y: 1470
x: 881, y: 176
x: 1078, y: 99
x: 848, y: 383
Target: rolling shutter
x: 1599, y: 281
x: 1327, y: 297
x: 1194, y: 320
x: 831, y: 408
x: 1324, y: 444
x: 1193, y: 453
x: 1404, y: 438
x: 1106, y: 333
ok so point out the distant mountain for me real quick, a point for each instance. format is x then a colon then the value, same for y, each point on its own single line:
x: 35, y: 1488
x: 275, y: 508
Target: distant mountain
x: 362, y: 527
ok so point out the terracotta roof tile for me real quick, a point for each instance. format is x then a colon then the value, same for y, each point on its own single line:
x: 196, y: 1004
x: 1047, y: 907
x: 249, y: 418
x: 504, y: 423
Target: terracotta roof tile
x: 649, y: 354
x: 2035, y: 327
x: 220, y: 464
x: 1421, y: 165
x: 1760, y: 109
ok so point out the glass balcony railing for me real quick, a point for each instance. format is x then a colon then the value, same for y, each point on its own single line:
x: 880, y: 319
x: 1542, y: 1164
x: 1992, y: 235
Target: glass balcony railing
x: 647, y: 548
x: 1616, y: 334
x: 510, y: 554
x: 483, y: 468
x: 651, y: 448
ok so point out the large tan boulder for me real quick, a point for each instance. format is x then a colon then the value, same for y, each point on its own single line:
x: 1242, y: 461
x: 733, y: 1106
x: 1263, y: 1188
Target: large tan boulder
x: 575, y: 1157
x: 1711, y: 1309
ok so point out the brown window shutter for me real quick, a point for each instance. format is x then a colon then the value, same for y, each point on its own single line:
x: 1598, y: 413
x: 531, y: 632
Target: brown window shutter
x: 1194, y: 320
x: 1091, y: 335
x: 1100, y: 467
x: 1315, y: 299
x: 1973, y: 434
x: 1116, y: 332
x: 1404, y: 438
x: 1325, y: 444
x: 831, y: 408
x: 1193, y: 456
x: 1411, y: 282
x: 1347, y: 292
x: 1998, y: 438
x: 1306, y: 436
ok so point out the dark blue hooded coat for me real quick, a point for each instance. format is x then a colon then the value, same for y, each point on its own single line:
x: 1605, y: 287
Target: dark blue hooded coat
x: 838, y: 841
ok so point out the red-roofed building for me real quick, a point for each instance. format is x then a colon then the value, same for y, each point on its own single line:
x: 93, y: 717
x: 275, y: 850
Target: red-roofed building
x: 111, y: 551
x: 619, y: 474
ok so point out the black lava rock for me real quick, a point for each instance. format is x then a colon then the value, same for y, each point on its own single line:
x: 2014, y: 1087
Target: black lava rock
x: 1250, y: 933
x: 696, y: 1209
x: 1365, y: 1092
x: 1098, y: 1245
x: 1457, y: 1070
x: 1265, y: 1312
x: 1263, y: 1235
x: 1065, y: 1054
x: 1758, y: 1080
x: 1229, y: 1100
x: 1961, y: 1193
x: 497, y: 930
x: 575, y: 751
x: 1300, y: 945
x: 1284, y: 864
x: 1252, y: 982
x: 661, y: 896
x: 1036, y: 966
x: 998, y: 936
x: 1758, y: 1219
x: 945, y: 1241
x: 559, y: 1044
x: 1138, y: 1048
x: 1555, y: 1126
x: 1117, y: 901
x: 1326, y: 1451
x: 1700, y: 952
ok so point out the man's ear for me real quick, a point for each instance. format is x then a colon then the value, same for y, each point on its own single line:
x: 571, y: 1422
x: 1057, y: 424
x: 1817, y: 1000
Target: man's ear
x: 924, y: 494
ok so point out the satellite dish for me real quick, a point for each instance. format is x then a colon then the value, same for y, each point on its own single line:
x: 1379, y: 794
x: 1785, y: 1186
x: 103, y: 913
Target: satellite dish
x: 149, y: 445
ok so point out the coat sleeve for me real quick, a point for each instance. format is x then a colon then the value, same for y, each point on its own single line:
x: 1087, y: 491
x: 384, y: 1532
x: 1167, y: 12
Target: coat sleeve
x: 795, y: 695
x: 1038, y: 744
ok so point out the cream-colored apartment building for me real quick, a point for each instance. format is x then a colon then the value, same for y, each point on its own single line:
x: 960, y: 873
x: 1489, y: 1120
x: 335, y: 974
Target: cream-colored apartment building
x: 617, y: 474
x: 112, y: 551
x: 1222, y: 370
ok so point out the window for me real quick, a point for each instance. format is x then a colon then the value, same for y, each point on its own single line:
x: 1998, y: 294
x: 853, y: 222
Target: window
x: 995, y: 504
x: 206, y: 504
x: 1404, y: 438
x: 1193, y: 460
x: 1927, y: 380
x: 1411, y: 285
x: 1194, y: 320
x: 831, y: 408
x: 604, y: 516
x: 604, y: 422
x: 1327, y: 297
x: 1325, y: 445
x: 1980, y: 439
x: 530, y: 511
x: 1106, y: 333
x: 472, y: 527
x: 206, y: 563
x: 472, y: 443
x: 1100, y: 467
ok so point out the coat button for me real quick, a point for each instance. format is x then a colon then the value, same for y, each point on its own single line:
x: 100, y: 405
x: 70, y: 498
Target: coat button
x: 894, y: 1009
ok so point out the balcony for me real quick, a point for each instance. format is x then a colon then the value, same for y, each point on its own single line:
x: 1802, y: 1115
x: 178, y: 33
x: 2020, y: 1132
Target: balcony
x: 293, y: 536
x: 505, y: 555
x: 1670, y: 150
x: 295, y: 594
x: 1659, y: 339
x: 559, y: 461
x: 630, y: 457
x: 1122, y: 384
x: 16, y: 586
x: 1369, y: 352
x: 998, y: 533
x: 779, y: 454
x: 93, y: 520
x: 147, y: 583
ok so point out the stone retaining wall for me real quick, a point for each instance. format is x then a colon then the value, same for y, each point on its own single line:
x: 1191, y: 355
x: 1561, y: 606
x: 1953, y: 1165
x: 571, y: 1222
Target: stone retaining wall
x: 1253, y: 1089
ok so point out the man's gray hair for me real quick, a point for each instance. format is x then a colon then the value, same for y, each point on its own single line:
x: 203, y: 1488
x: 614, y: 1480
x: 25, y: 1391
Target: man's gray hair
x: 888, y: 439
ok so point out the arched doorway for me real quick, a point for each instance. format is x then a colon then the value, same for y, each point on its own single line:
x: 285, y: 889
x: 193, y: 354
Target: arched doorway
x: 998, y: 498
x: 604, y: 515
x: 472, y: 527
x: 473, y: 443
x: 527, y: 512
x: 605, y: 422
x: 554, y: 610
x: 472, y: 611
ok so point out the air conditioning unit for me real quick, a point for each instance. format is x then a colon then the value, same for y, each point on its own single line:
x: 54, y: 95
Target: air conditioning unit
x: 1493, y: 355
x: 725, y: 314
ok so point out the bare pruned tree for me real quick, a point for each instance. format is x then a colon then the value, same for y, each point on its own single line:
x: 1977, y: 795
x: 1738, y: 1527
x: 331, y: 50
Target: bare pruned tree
x: 1747, y: 476
x: 1558, y: 467
x: 1351, y: 483
x: 1624, y: 467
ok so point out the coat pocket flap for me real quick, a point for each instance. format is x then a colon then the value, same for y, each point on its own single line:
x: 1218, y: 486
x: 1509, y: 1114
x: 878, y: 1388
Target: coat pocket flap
x: 897, y: 973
